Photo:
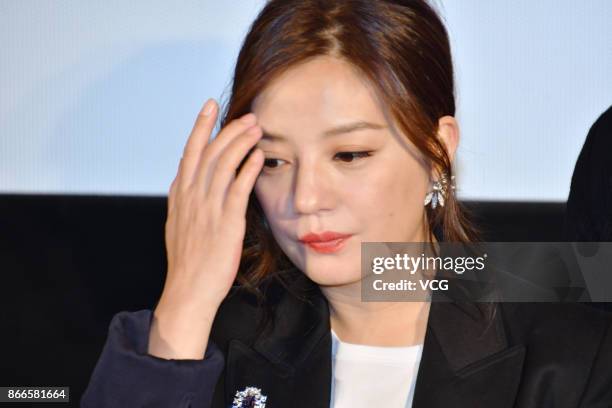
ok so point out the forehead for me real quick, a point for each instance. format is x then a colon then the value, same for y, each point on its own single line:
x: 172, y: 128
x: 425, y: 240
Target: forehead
x: 322, y: 90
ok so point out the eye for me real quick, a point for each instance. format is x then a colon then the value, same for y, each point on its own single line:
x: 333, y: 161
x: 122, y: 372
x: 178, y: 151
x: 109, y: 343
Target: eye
x: 272, y: 163
x: 347, y: 157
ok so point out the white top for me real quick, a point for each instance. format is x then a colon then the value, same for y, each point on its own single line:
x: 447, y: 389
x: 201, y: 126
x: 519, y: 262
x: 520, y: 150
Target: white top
x: 373, y: 376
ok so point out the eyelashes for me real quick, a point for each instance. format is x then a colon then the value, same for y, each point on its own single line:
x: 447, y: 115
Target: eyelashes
x: 353, y: 155
x: 344, y: 157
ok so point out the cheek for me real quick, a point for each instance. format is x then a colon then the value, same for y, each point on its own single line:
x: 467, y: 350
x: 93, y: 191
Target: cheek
x: 389, y: 202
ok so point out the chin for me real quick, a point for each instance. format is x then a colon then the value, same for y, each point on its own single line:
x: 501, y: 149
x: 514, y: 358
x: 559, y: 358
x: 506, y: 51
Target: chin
x: 328, y: 269
x: 330, y: 276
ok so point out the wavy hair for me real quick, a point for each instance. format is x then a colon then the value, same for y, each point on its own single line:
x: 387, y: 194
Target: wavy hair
x: 400, y: 46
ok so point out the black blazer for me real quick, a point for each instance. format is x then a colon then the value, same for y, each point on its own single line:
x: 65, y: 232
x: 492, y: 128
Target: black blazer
x: 530, y: 355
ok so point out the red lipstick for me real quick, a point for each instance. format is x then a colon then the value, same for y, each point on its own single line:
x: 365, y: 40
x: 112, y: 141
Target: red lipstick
x: 325, y: 242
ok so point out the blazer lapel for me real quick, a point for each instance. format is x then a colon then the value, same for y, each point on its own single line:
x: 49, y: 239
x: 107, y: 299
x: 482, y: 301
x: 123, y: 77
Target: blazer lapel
x: 292, y: 364
x: 464, y: 361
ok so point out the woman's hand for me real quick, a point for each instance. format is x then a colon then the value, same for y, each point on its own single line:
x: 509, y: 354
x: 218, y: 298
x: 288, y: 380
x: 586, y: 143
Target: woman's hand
x: 204, y: 232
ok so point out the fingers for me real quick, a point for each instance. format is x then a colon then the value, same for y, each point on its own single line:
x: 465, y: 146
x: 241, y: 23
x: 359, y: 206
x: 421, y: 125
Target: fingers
x: 213, y: 151
x: 198, y: 139
x: 239, y: 191
x: 200, y: 155
x: 229, y: 161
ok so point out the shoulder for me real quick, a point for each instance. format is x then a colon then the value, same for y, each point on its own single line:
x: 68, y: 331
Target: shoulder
x: 244, y: 316
x: 568, y: 350
x: 573, y: 331
x: 573, y: 320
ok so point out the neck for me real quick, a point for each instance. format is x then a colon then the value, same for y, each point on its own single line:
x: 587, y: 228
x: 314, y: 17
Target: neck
x: 390, y: 324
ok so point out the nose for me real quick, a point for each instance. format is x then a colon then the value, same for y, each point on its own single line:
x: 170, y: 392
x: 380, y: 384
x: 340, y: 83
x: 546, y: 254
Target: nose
x: 312, y: 189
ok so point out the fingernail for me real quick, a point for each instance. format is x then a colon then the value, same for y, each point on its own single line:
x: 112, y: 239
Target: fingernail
x: 248, y: 119
x: 208, y: 107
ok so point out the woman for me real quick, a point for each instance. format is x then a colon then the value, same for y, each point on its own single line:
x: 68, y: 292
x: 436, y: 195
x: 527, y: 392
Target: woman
x: 346, y: 108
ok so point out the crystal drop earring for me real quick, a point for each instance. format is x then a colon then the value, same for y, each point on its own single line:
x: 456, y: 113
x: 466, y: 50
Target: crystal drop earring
x: 439, y: 189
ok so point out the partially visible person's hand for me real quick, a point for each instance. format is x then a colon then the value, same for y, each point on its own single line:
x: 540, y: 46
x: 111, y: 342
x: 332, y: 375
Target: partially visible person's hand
x: 204, y: 231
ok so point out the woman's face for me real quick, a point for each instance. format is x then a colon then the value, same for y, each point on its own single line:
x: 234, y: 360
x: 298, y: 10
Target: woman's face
x: 316, y: 177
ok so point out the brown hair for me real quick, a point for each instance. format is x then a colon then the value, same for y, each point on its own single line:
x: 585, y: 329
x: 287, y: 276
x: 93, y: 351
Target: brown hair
x: 400, y: 46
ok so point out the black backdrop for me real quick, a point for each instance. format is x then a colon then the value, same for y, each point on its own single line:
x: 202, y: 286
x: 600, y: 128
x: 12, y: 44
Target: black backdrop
x: 69, y: 263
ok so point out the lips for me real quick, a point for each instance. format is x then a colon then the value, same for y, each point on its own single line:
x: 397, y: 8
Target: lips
x: 323, y: 236
x: 325, y: 242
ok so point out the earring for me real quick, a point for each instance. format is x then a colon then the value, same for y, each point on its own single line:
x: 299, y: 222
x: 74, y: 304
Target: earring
x: 438, y: 191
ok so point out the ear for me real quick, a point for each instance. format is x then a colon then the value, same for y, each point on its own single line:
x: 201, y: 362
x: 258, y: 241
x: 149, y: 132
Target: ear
x: 448, y: 132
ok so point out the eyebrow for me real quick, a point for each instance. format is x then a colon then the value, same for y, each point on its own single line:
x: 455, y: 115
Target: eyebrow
x: 342, y: 129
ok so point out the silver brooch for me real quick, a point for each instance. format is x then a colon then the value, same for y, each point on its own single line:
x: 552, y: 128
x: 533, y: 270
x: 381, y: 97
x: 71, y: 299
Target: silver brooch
x: 250, y: 397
